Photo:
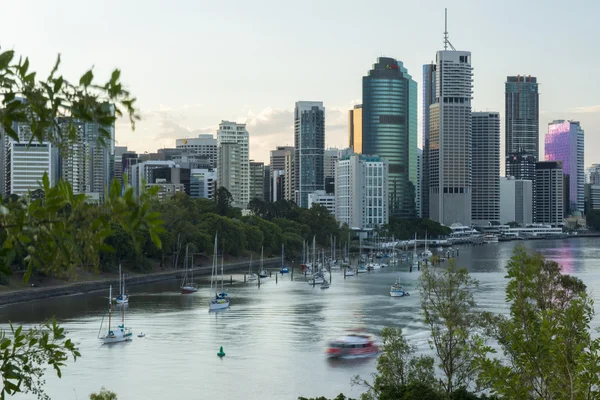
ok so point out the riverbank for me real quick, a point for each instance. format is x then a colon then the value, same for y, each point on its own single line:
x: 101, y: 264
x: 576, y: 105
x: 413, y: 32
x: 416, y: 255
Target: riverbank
x: 91, y: 283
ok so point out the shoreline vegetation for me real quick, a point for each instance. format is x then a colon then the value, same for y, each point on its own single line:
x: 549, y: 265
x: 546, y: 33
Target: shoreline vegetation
x: 90, y: 282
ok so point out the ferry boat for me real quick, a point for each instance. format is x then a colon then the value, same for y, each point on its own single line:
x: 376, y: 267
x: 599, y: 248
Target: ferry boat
x: 489, y: 238
x: 352, y: 345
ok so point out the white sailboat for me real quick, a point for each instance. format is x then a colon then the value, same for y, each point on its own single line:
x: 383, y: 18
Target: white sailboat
x: 187, y: 284
x: 284, y: 268
x: 263, y: 272
x: 221, y: 300
x: 121, y: 334
x: 415, y: 257
x: 426, y: 253
x: 397, y: 290
x: 251, y: 275
x: 122, y: 298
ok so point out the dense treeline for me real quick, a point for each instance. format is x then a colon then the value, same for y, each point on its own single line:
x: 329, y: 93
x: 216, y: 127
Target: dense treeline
x: 194, y: 222
x: 405, y: 229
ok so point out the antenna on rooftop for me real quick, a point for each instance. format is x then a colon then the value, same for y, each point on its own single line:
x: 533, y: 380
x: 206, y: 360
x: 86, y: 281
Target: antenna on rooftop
x: 446, y: 41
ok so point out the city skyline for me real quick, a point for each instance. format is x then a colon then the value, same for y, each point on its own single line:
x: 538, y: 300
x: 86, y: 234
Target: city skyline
x: 173, y: 105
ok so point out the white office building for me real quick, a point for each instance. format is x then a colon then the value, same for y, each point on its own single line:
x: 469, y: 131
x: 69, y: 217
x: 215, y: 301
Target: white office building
x: 516, y: 201
x: 450, y: 153
x: 361, y: 191
x: 322, y: 198
x: 204, y: 145
x: 141, y: 174
x: 202, y: 183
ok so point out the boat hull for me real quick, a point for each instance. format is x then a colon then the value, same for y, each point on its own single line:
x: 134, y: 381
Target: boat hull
x: 397, y: 293
x: 220, y: 304
x: 117, y: 337
x: 188, y: 290
x: 353, y: 353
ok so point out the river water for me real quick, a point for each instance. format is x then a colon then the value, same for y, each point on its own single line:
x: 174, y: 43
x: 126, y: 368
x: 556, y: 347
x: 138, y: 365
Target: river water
x: 274, y: 336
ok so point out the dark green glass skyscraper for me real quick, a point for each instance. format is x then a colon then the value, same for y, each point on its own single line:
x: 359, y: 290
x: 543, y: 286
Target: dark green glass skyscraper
x: 390, y: 129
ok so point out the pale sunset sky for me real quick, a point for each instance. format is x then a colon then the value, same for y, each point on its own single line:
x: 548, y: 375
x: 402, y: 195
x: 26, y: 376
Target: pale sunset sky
x: 193, y: 63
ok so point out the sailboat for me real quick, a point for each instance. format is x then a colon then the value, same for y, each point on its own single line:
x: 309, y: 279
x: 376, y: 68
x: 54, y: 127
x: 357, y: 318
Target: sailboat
x: 263, y: 272
x: 426, y: 253
x: 415, y: 257
x: 361, y: 268
x: 121, y: 334
x: 187, y: 284
x: 251, y: 275
x: 221, y: 300
x: 284, y: 268
x: 397, y: 290
x: 122, y: 298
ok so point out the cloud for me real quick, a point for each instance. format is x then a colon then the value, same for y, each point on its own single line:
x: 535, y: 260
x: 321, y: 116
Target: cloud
x: 586, y: 109
x: 269, y: 121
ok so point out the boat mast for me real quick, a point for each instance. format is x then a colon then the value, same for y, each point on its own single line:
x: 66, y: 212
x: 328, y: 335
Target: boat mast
x: 261, y: 259
x: 281, y: 255
x: 109, y: 305
x: 213, y: 272
x: 222, y: 267
x: 120, y: 281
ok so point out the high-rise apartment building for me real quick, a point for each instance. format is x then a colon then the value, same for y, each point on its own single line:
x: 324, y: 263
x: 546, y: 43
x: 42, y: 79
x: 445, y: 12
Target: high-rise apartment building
x: 522, y: 116
x: 565, y: 142
x: 282, y: 159
x: 355, y: 132
x: 485, y: 198
x: 549, y: 192
x: 87, y: 163
x: 361, y: 198
x: 202, y: 183
x: 257, y: 180
x: 204, y: 145
x: 429, y: 88
x: 389, y: 129
x: 450, y: 152
x: 233, y: 163
x: 593, y: 174
x: 329, y: 166
x: 323, y: 199
x: 267, y: 183
x: 309, y: 149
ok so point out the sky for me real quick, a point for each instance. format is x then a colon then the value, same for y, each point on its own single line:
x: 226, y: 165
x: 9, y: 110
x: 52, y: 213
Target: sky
x: 193, y: 63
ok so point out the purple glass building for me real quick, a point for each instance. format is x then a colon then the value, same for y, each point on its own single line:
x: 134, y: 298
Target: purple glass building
x: 565, y: 142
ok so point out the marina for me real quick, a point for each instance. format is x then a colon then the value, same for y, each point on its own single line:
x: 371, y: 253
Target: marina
x: 278, y: 332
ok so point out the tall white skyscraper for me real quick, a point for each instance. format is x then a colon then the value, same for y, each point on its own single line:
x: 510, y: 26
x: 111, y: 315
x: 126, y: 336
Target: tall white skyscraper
x: 486, y: 168
x: 204, y: 145
x: 23, y: 163
x: 233, y: 162
x: 361, y: 192
x: 450, y: 152
x: 309, y: 147
x: 418, y: 198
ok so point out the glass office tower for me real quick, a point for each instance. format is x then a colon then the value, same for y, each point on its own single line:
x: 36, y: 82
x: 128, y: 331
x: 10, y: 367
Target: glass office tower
x: 389, y: 128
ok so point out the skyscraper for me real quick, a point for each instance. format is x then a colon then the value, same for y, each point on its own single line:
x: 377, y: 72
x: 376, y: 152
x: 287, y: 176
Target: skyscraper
x: 565, y: 142
x: 419, y: 200
x: 485, y: 197
x: 361, y: 191
x: 549, y: 192
x: 204, y: 145
x: 450, y: 139
x: 522, y: 111
x: 389, y: 128
x: 233, y: 164
x: 282, y: 159
x: 355, y: 132
x: 309, y: 148
x: 257, y: 180
x: 429, y: 87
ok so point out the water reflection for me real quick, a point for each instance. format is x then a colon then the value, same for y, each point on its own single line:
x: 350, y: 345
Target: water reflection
x: 274, y: 337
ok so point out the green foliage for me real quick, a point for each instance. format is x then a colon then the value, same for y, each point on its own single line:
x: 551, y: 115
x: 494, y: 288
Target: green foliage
x: 547, y: 348
x: 593, y: 219
x: 25, y: 356
x: 223, y: 201
x: 397, y: 367
x: 448, y: 309
x: 405, y: 229
x: 103, y: 394
x: 338, y: 397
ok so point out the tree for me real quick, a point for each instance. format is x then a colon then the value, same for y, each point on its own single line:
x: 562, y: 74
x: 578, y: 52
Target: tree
x: 223, y: 201
x: 547, y: 348
x: 448, y: 309
x: 103, y: 394
x: 25, y: 355
x: 45, y: 232
x: 397, y: 368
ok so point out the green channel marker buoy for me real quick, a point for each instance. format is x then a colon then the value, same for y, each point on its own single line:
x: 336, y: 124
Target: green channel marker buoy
x: 221, y: 353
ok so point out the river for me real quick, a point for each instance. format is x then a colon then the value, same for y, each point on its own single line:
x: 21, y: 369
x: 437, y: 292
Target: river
x: 274, y: 336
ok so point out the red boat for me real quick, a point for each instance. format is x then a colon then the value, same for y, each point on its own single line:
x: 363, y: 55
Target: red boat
x: 353, y: 345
